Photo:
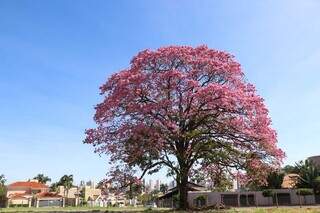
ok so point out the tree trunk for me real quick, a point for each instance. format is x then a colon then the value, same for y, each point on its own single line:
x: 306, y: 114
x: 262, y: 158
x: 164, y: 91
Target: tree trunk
x: 183, y: 192
x: 182, y: 177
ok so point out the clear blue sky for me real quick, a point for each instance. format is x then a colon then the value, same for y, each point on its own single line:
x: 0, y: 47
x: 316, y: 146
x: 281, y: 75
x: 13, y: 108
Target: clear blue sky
x: 55, y: 54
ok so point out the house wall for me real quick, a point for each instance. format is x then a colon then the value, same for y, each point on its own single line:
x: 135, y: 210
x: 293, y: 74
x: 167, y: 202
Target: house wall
x: 19, y: 202
x: 91, y: 192
x: 315, y: 160
x: 71, y: 193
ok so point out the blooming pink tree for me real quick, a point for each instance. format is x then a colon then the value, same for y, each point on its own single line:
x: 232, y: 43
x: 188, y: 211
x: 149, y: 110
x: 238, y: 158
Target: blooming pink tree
x: 180, y: 107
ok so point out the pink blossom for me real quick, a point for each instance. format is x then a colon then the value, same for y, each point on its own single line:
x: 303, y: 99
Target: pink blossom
x: 179, y: 105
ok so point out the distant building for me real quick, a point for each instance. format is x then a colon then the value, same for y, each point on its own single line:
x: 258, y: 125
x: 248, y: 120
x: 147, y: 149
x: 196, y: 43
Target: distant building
x: 82, y: 183
x: 91, y: 193
x: 315, y: 160
x: 157, y: 185
x: 116, y: 199
x: 72, y: 195
x: 90, y: 184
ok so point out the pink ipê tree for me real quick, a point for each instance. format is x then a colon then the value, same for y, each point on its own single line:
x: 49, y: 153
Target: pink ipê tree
x: 182, y: 107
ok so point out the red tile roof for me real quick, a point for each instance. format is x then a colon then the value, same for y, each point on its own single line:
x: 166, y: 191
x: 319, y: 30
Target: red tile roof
x: 28, y: 184
x: 19, y: 196
x: 48, y: 195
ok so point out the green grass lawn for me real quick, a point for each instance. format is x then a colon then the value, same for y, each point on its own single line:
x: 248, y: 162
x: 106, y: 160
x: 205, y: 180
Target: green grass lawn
x: 312, y: 209
x: 277, y: 210
x: 73, y: 209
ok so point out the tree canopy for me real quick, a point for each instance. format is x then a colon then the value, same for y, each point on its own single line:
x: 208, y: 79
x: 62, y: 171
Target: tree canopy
x: 308, y: 173
x: 66, y: 181
x: 2, y: 179
x: 183, y: 108
x: 2, y: 187
x: 42, y: 178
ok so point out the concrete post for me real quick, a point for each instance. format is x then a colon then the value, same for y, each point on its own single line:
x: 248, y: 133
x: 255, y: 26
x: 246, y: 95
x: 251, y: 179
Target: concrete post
x: 277, y: 199
x: 247, y: 199
x: 256, y: 199
x: 37, y: 203
x: 300, y: 201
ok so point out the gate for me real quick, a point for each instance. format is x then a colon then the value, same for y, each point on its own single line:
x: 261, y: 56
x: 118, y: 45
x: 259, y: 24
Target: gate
x: 283, y: 199
x: 229, y: 199
x: 247, y: 200
x: 49, y: 203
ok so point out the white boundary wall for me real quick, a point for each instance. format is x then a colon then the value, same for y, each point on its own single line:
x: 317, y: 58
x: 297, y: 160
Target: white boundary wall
x: 213, y: 198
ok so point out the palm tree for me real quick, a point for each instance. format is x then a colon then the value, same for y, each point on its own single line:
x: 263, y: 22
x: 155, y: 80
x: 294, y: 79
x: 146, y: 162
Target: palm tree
x: 2, y: 187
x: 42, y: 178
x: 54, y: 187
x: 2, y: 179
x: 308, y: 173
x: 66, y: 181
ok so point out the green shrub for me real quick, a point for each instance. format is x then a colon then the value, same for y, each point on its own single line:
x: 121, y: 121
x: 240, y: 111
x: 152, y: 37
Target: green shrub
x: 18, y: 205
x: 201, y: 198
x: 304, y: 192
x: 200, y: 201
x: 267, y: 193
